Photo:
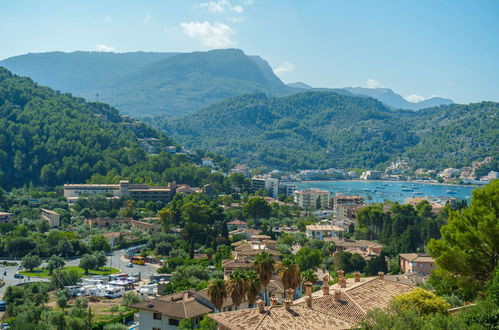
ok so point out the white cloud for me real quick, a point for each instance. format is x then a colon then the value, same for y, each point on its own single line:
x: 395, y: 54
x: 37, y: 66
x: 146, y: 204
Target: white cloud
x: 284, y: 67
x: 107, y: 19
x: 371, y: 83
x: 147, y: 18
x: 216, y: 35
x: 415, y: 98
x: 220, y: 6
x: 105, y: 48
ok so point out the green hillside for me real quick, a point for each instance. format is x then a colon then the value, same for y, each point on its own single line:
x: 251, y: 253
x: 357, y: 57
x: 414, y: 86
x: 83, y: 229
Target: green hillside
x: 326, y: 129
x: 49, y: 138
x: 150, y: 83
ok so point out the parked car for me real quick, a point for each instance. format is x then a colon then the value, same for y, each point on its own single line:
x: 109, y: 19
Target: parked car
x: 129, y: 265
x: 3, y: 305
x: 17, y: 275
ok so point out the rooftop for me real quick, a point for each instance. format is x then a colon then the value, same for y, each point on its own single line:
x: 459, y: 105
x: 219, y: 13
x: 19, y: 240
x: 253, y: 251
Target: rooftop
x: 180, y: 305
x: 419, y: 257
x: 324, y: 227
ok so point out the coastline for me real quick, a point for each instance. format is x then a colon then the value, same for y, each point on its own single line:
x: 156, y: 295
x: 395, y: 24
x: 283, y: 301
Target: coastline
x: 394, y: 181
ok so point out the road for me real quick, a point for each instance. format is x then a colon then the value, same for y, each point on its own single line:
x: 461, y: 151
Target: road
x: 116, y: 260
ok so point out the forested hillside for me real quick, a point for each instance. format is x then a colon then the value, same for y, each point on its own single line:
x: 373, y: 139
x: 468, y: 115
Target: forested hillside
x: 150, y: 83
x: 327, y: 129
x: 49, y: 138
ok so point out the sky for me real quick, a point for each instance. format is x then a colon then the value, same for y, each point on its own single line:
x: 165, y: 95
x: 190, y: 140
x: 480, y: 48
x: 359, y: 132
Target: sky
x: 420, y: 49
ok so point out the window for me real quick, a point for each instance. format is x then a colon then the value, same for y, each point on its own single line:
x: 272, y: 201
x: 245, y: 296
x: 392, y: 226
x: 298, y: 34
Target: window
x: 156, y: 328
x: 173, y: 322
x: 156, y: 316
x: 421, y: 265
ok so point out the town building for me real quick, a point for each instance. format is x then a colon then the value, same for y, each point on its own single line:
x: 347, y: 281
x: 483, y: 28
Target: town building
x: 449, y: 173
x: 53, y: 218
x: 123, y: 189
x: 367, y: 249
x: 286, y: 188
x: 346, y: 206
x: 166, y: 312
x: 341, y: 306
x: 245, y: 251
x: 237, y: 224
x: 416, y: 263
x: 207, y: 161
x: 312, y: 199
x: 5, y: 217
x: 241, y: 169
x: 321, y: 232
x: 151, y: 227
x: 371, y: 175
x: 270, y: 185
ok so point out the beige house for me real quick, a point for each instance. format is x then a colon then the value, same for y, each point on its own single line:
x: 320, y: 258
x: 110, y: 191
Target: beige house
x: 53, y: 218
x: 366, y: 249
x: 416, y: 263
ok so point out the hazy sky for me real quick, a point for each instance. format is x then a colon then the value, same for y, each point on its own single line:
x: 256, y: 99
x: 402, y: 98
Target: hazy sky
x: 418, y: 48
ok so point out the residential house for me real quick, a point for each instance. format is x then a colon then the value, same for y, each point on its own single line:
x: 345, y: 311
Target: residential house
x: 53, y: 218
x: 367, y: 249
x: 150, y: 227
x: 166, y: 312
x: 346, y: 206
x: 341, y: 306
x: 207, y: 161
x: 416, y: 263
x: 312, y: 199
x: 321, y: 232
x: 106, y: 222
x: 237, y: 224
x: 5, y: 217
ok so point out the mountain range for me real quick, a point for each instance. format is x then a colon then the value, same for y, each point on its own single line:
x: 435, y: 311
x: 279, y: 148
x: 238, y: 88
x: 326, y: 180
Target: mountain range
x: 322, y: 129
x: 172, y: 84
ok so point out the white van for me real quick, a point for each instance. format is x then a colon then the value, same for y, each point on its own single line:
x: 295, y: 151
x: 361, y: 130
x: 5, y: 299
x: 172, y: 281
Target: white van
x: 114, y: 292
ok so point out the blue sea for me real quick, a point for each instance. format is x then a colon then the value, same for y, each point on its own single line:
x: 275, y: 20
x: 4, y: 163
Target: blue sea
x: 379, y: 191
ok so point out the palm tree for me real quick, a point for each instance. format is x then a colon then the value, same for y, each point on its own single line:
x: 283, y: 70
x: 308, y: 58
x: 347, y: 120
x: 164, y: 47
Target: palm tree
x: 252, y: 286
x: 236, y: 287
x: 264, y: 266
x: 218, y: 292
x: 289, y: 273
x: 309, y: 276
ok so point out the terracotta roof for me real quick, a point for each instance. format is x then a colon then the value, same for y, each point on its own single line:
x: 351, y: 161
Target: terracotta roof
x: 237, y: 222
x: 182, y: 305
x: 344, y: 308
x: 377, y: 293
x: 354, y: 243
x: 297, y: 317
x: 419, y: 257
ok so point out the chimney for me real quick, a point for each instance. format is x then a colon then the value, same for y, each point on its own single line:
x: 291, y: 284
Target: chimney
x: 308, y: 288
x: 340, y: 273
x: 185, y: 296
x: 381, y: 275
x: 273, y: 300
x: 261, y: 306
x: 290, y: 293
x: 308, y: 300
x: 325, y: 278
x: 287, y: 303
x: 343, y: 282
x: 337, y: 295
x: 357, y: 276
x: 325, y: 289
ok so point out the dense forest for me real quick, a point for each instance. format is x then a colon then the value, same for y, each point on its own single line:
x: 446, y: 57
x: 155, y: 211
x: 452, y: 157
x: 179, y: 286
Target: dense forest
x: 49, y: 138
x: 327, y: 129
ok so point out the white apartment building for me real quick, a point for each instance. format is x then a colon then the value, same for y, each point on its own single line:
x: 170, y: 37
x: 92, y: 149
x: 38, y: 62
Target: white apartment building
x: 312, y: 199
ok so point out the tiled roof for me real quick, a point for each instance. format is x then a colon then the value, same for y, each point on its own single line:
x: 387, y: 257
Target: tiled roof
x: 237, y: 222
x: 344, y: 308
x: 324, y: 227
x: 377, y: 293
x: 354, y: 243
x: 416, y: 257
x: 180, y: 305
x: 297, y: 317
